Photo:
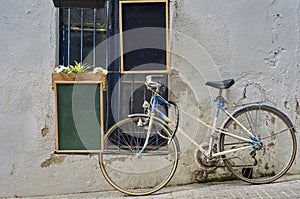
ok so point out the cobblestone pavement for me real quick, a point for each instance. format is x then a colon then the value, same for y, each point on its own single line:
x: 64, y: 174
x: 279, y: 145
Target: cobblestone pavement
x: 286, y: 187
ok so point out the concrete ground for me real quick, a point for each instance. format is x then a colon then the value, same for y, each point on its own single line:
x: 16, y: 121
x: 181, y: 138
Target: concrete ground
x: 286, y: 187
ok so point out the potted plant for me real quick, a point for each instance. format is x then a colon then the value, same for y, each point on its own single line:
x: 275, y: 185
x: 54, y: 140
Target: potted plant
x: 79, y: 72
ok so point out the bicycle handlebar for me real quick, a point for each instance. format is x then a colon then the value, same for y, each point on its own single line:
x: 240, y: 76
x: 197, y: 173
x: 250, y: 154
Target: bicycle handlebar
x: 152, y: 84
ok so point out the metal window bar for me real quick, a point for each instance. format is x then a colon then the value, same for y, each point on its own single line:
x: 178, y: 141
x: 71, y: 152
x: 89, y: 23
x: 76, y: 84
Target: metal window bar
x: 69, y: 34
x: 81, y: 35
x: 94, y: 38
x: 133, y: 89
x: 85, y: 22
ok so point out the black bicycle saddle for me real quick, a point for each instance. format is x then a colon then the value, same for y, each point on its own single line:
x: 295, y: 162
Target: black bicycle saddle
x: 221, y: 84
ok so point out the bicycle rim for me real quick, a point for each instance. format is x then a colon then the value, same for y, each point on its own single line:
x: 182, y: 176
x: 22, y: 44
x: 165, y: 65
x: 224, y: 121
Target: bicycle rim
x: 274, y: 158
x: 132, y: 174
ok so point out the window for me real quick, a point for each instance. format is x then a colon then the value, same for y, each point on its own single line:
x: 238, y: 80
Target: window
x: 144, y: 36
x: 81, y: 30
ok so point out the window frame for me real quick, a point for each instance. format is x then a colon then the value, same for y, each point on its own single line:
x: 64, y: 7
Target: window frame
x: 167, y: 64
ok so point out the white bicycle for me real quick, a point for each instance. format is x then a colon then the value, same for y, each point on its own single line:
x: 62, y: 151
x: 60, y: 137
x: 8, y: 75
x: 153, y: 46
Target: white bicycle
x: 257, y: 143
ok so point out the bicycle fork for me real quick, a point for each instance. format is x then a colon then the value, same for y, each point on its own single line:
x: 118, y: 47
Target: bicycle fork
x: 147, y: 135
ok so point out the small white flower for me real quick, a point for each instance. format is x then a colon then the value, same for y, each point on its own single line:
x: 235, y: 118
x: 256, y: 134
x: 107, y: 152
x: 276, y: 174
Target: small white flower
x: 100, y: 70
x: 58, y: 69
x: 105, y: 72
x: 61, y: 68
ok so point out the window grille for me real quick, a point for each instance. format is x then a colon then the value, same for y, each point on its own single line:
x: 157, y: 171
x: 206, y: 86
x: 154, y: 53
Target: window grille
x: 80, y: 31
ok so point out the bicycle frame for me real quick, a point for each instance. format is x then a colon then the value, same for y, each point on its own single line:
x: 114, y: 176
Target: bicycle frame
x: 253, y: 141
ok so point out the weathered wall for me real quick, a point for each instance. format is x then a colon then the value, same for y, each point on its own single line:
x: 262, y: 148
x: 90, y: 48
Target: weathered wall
x: 28, y: 47
x: 255, y: 42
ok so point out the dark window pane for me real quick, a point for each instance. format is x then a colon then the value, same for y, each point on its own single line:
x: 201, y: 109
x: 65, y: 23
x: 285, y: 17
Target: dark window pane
x: 81, y: 31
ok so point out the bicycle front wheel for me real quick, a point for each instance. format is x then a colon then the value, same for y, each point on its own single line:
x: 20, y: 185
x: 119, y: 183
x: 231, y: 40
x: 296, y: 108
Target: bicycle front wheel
x: 271, y: 160
x: 141, y: 174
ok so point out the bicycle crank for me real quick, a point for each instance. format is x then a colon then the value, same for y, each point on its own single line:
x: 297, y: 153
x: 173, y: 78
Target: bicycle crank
x: 203, y: 161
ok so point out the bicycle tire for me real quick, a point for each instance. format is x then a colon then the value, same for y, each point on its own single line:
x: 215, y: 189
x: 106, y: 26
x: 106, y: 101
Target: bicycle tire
x: 267, y: 163
x: 145, y: 174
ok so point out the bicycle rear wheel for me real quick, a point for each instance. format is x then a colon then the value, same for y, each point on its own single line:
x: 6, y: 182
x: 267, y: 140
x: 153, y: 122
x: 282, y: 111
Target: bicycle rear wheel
x: 261, y: 164
x: 144, y: 174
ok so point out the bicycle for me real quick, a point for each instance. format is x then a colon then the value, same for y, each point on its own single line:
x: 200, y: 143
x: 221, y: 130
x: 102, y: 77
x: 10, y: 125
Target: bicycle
x: 257, y: 144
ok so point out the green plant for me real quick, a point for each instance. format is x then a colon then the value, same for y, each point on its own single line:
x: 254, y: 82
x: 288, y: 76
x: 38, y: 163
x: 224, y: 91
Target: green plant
x: 78, y: 68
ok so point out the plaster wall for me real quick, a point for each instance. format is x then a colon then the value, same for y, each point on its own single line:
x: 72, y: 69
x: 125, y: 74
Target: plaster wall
x: 28, y: 165
x: 254, y: 42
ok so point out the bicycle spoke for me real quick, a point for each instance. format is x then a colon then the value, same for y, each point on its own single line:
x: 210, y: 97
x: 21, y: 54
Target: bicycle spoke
x: 143, y: 174
x: 260, y: 163
x: 274, y: 134
x: 250, y: 122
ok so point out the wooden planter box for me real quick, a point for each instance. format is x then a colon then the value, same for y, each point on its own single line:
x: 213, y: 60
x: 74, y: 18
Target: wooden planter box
x: 79, y: 77
x: 79, y: 112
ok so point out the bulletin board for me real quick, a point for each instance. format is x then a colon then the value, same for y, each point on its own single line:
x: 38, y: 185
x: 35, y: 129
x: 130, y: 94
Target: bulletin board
x: 79, y: 116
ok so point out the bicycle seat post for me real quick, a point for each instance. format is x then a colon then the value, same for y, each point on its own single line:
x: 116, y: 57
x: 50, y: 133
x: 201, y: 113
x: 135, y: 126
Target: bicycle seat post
x: 220, y: 92
x: 220, y: 98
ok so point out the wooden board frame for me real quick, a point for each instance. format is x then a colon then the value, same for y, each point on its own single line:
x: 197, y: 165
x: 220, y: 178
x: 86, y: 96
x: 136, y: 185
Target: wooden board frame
x: 167, y: 37
x: 101, y: 112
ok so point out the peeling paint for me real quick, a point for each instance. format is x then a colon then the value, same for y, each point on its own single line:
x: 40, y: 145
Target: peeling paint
x: 176, y: 5
x: 286, y: 105
x: 244, y: 92
x: 12, y: 170
x: 199, y: 175
x: 45, y: 131
x: 297, y: 107
x: 54, y: 159
x: 178, y: 84
x: 253, y: 90
x: 274, y: 56
x: 110, y: 161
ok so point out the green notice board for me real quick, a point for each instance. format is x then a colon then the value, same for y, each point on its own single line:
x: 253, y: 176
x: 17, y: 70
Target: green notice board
x: 79, y: 116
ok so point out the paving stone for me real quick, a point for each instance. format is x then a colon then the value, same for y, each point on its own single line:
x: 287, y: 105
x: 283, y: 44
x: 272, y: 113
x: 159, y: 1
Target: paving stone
x: 286, y: 187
